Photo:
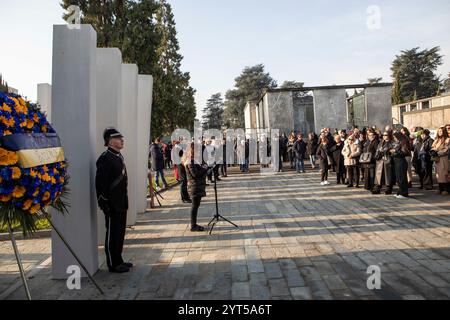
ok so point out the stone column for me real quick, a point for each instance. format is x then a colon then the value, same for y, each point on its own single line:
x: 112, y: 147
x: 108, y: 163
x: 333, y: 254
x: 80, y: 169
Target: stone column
x: 145, y: 96
x: 74, y: 118
x: 44, y: 99
x: 379, y: 106
x: 330, y: 109
x: 128, y: 119
x: 109, y: 101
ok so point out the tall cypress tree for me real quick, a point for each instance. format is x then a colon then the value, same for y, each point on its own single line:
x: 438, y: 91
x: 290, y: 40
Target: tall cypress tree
x: 212, y: 113
x: 145, y: 32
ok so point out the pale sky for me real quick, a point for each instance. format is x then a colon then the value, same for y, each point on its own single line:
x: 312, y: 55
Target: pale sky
x: 319, y: 42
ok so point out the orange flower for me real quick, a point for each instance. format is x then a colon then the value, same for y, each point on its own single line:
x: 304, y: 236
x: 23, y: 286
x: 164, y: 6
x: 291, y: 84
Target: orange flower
x: 30, y: 124
x: 53, y: 180
x: 61, y: 179
x: 45, y: 168
x: 16, y: 173
x: 27, y: 204
x: 44, y: 129
x: 5, y: 197
x: 19, y: 192
x: 6, y: 108
x: 13, y: 158
x: 35, y: 194
x: 35, y: 117
x: 3, y: 152
x: 34, y: 209
x: 46, y: 196
x: 22, y: 102
x: 7, y: 133
x: 33, y: 173
x: 46, y: 178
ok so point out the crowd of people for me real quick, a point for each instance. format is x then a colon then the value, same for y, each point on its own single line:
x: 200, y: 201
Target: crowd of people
x: 378, y: 159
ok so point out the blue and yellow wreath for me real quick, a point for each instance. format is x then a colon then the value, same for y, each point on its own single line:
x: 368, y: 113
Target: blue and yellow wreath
x: 33, y: 170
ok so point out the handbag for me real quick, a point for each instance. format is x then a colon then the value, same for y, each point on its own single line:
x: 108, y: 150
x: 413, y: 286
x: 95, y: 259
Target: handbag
x: 366, y: 158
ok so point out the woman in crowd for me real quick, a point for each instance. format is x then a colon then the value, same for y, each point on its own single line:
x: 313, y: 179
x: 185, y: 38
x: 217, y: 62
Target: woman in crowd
x: 370, y: 149
x: 422, y: 159
x: 351, y: 152
x: 400, y: 150
x: 196, y: 174
x: 290, y: 150
x: 362, y: 142
x: 384, y: 171
x: 408, y: 158
x: 440, y: 150
x: 311, y: 148
x: 338, y: 159
x: 322, y: 156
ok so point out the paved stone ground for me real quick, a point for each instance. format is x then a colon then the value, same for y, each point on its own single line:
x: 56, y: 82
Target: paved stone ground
x: 297, y: 240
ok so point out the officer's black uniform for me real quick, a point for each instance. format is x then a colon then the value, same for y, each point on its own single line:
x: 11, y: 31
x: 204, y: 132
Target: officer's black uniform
x: 111, y: 184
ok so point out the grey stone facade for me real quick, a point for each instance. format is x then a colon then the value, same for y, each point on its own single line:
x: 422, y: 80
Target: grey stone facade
x: 327, y: 107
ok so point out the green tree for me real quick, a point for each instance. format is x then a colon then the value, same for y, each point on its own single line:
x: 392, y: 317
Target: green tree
x: 414, y: 75
x: 447, y: 84
x: 292, y: 85
x: 249, y: 86
x: 3, y: 84
x: 374, y: 80
x: 145, y: 32
x: 212, y: 114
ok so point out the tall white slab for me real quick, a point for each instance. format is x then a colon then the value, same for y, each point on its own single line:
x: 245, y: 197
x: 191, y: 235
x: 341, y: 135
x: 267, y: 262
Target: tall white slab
x: 128, y: 127
x: 74, y: 118
x: 44, y: 99
x: 145, y: 96
x: 109, y: 101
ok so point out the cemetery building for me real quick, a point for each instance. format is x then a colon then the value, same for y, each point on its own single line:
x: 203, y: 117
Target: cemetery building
x: 428, y: 113
x: 310, y: 109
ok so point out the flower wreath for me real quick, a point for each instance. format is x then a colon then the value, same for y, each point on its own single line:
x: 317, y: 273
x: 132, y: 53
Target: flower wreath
x: 26, y: 191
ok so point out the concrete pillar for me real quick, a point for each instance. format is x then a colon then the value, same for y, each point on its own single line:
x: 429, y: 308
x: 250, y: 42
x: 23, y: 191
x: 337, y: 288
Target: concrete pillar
x: 145, y: 97
x: 44, y: 99
x: 379, y: 106
x: 128, y: 119
x: 74, y: 118
x: 109, y: 101
x: 330, y: 109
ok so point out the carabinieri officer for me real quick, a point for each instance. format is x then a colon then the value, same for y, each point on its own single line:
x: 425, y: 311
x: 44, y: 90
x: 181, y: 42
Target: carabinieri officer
x: 111, y: 184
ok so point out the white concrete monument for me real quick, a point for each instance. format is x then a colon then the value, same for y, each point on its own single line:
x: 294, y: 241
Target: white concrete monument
x: 128, y: 119
x: 74, y: 118
x: 44, y: 99
x: 145, y: 97
x: 109, y: 101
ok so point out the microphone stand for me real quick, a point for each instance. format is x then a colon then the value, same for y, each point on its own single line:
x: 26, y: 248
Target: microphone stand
x: 217, y: 217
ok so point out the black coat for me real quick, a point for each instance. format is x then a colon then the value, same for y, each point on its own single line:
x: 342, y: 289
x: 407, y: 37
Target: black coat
x: 338, y: 158
x: 300, y: 149
x: 157, y: 157
x: 196, y: 175
x: 312, y: 145
x: 322, y: 155
x: 111, y: 182
x: 371, y: 147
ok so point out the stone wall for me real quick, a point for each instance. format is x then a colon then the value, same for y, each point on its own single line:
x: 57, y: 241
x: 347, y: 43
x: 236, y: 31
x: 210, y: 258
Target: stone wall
x: 330, y: 109
x: 281, y: 111
x: 379, y: 106
x: 430, y: 118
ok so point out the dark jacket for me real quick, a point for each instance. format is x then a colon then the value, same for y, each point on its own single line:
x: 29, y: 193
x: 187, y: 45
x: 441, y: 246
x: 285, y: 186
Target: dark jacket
x: 322, y: 153
x: 300, y: 149
x: 338, y: 158
x: 312, y: 145
x: 157, y: 157
x: 196, y: 175
x: 111, y: 183
x: 371, y: 147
